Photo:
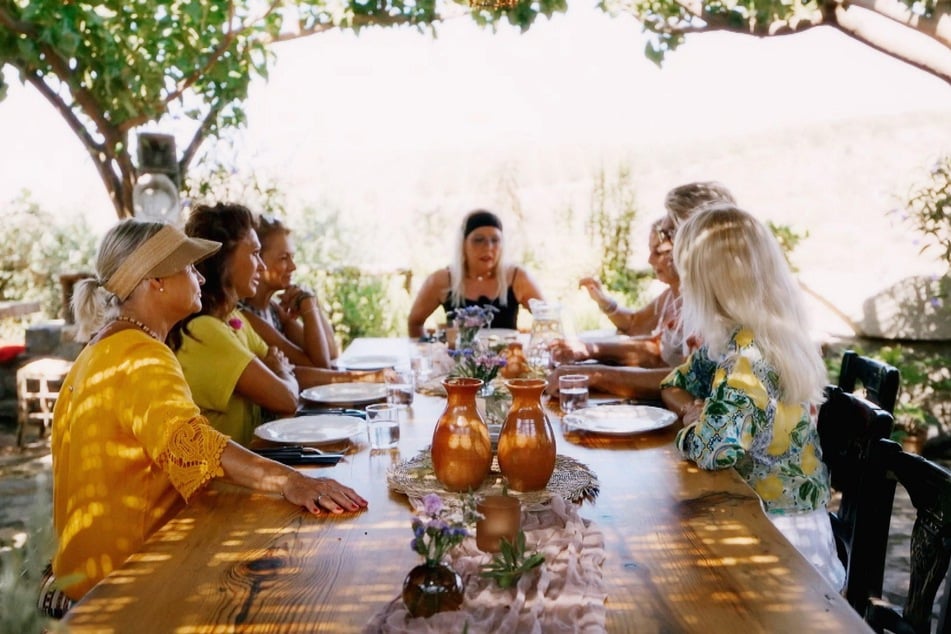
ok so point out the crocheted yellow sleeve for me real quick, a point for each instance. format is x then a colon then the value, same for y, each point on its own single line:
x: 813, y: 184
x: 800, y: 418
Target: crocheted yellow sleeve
x: 193, y: 455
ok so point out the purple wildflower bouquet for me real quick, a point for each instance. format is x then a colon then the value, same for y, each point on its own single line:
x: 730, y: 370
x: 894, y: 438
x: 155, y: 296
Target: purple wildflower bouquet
x: 436, y: 529
x: 474, y: 358
x: 469, y: 320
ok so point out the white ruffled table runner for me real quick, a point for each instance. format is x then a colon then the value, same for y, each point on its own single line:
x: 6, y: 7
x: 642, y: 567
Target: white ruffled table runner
x: 563, y: 595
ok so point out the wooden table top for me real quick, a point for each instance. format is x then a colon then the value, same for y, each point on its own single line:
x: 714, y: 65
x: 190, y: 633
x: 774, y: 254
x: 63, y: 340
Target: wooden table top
x: 686, y: 551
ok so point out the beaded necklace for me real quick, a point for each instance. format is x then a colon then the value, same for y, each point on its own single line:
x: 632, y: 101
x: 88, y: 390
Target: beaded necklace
x: 139, y: 324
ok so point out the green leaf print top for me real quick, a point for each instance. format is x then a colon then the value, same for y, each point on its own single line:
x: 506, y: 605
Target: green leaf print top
x: 772, y: 444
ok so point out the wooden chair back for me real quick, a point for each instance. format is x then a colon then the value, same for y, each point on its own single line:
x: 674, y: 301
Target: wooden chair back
x: 848, y: 426
x: 929, y: 487
x: 879, y: 380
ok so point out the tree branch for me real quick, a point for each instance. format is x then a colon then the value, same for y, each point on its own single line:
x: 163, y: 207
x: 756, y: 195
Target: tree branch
x: 197, y: 139
x: 357, y: 21
x: 900, y: 42
x: 99, y: 153
x: 938, y: 26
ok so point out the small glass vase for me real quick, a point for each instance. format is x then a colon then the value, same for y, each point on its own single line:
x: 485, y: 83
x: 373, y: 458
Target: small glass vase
x: 432, y: 587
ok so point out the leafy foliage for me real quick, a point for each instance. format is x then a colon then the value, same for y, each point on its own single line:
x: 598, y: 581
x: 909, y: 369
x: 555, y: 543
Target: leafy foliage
x: 613, y: 211
x: 788, y: 240
x: 511, y: 562
x: 37, y: 249
x: 22, y: 561
x: 112, y: 67
x: 929, y: 208
x: 360, y: 303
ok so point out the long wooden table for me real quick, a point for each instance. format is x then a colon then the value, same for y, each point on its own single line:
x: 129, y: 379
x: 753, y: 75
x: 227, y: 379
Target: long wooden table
x: 687, y: 551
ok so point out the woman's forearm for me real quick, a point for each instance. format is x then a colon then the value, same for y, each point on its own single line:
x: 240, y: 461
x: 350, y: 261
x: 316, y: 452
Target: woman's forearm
x: 629, y: 382
x: 250, y: 470
x: 314, y: 337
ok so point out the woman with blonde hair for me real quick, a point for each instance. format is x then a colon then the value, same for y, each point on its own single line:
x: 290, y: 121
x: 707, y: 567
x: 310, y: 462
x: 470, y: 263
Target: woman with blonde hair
x: 129, y: 444
x: 749, y: 395
x: 477, y: 276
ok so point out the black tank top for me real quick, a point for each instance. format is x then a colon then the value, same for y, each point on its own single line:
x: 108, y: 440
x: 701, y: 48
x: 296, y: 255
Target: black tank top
x: 507, y: 317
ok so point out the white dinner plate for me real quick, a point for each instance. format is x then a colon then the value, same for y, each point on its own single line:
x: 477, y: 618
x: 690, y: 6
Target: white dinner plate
x: 603, y: 335
x: 620, y: 419
x: 501, y: 333
x: 321, y: 428
x: 349, y: 393
x: 367, y: 362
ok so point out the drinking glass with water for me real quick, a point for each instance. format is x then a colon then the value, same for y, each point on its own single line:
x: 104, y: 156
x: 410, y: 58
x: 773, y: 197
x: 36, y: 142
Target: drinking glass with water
x: 400, y: 386
x: 383, y: 426
x: 572, y: 392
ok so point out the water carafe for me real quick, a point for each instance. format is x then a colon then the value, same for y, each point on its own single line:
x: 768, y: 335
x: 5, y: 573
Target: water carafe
x: 546, y: 328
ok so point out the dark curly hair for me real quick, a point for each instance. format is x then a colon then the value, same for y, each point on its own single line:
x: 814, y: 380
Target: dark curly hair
x: 227, y: 223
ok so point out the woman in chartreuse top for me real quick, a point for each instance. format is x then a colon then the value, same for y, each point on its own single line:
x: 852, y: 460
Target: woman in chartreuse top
x: 232, y: 372
x: 129, y: 444
x: 749, y: 395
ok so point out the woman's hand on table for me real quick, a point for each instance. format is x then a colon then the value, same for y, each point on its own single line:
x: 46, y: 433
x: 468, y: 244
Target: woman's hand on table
x: 319, y: 495
x: 552, y: 389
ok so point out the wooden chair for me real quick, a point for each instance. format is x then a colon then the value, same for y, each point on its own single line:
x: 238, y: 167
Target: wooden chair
x: 38, y: 384
x: 929, y: 487
x: 879, y: 380
x: 848, y: 425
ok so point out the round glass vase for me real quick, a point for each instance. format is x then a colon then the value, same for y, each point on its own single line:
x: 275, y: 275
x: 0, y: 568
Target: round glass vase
x: 527, y: 443
x: 432, y: 587
x: 461, y: 449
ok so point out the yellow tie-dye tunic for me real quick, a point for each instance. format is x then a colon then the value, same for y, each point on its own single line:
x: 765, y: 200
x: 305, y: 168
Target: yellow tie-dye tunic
x: 772, y: 444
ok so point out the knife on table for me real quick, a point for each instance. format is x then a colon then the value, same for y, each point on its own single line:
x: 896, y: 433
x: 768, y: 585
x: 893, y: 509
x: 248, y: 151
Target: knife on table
x: 343, y: 411
x: 298, y: 455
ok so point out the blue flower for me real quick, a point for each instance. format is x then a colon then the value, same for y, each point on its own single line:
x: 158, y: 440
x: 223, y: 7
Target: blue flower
x: 439, y: 532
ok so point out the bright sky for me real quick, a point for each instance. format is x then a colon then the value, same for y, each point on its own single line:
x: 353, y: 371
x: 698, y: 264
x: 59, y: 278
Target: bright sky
x: 340, y: 105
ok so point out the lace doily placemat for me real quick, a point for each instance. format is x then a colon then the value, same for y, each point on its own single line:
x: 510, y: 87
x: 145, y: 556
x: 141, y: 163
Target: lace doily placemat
x: 565, y: 595
x: 571, y: 480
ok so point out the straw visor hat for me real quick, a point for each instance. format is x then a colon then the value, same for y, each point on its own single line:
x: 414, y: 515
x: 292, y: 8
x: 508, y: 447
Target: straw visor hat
x: 167, y: 252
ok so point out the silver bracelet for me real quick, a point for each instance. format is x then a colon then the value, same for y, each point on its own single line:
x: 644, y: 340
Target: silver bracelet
x: 613, y: 309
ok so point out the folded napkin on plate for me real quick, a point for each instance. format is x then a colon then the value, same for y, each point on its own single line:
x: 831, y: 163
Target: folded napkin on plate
x: 563, y: 595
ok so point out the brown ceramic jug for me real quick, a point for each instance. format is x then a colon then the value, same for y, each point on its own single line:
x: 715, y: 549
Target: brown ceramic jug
x: 527, y: 443
x: 462, y: 451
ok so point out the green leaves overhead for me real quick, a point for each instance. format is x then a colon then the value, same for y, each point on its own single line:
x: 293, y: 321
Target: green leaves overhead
x: 112, y: 66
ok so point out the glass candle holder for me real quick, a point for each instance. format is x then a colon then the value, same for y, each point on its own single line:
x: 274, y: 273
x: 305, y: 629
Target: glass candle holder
x: 501, y: 517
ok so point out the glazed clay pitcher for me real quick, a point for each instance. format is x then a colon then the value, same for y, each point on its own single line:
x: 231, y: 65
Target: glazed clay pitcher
x: 462, y: 451
x: 527, y: 443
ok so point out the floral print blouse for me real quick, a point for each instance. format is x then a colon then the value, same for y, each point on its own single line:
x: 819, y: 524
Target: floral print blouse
x: 772, y: 444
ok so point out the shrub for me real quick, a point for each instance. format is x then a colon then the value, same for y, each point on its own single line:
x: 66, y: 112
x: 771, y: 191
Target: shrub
x: 37, y: 249
x: 612, y: 214
x: 928, y: 208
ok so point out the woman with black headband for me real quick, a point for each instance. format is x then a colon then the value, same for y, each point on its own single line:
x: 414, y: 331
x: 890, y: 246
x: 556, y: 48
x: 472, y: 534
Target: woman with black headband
x: 478, y: 276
